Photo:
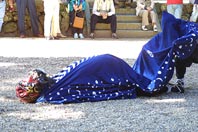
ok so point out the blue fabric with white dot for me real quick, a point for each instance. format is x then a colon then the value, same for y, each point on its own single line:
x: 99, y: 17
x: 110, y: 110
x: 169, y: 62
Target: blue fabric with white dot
x: 107, y: 77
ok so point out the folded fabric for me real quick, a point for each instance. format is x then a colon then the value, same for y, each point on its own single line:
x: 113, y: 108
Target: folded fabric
x: 106, y: 77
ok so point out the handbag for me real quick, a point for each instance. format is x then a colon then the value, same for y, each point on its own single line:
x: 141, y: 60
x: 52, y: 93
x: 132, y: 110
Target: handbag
x: 78, y: 21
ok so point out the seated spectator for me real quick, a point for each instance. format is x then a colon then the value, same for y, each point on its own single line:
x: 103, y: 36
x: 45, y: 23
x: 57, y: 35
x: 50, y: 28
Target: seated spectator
x: 194, y: 14
x: 51, y: 22
x: 76, y: 7
x: 104, y: 12
x: 145, y: 9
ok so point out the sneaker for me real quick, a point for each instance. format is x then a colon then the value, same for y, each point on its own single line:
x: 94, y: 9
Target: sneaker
x: 144, y: 28
x: 114, y: 36
x: 92, y: 36
x: 155, y: 28
x: 81, y: 36
x: 75, y: 35
x: 179, y: 86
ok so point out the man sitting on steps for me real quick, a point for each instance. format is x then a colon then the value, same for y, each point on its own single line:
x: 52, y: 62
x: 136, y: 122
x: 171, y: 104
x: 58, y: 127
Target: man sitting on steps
x: 104, y: 12
x: 145, y: 9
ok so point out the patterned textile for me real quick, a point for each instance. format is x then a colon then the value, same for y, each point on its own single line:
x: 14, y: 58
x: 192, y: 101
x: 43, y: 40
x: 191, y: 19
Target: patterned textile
x: 29, y: 90
x: 94, y: 78
x: 157, y: 59
x: 106, y: 77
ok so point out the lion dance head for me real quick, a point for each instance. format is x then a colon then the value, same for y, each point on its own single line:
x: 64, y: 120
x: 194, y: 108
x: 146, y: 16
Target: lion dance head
x: 29, y: 90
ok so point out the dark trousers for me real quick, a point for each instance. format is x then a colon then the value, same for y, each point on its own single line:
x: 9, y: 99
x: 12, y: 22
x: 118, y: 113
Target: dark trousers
x: 98, y: 19
x: 181, y: 65
x: 71, y: 21
x: 21, y: 9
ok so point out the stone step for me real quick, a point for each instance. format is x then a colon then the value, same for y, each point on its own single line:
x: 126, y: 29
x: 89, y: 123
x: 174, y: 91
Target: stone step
x: 125, y: 34
x: 126, y: 26
x: 128, y: 18
x: 125, y: 11
x: 122, y: 11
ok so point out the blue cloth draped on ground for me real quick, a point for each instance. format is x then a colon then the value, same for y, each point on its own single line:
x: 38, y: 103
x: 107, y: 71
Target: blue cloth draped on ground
x: 157, y: 58
x: 96, y: 78
x: 106, y: 77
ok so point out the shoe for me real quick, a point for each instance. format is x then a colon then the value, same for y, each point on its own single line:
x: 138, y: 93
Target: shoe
x: 144, y: 28
x: 81, y: 36
x: 56, y: 37
x: 39, y: 35
x: 116, y: 2
x: 49, y: 38
x: 92, y: 36
x: 75, y: 35
x: 22, y: 36
x: 179, y: 86
x: 155, y: 28
x: 114, y: 36
x: 128, y: 2
x: 60, y: 35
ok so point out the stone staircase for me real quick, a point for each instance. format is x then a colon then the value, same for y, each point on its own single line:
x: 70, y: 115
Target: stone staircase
x: 128, y: 24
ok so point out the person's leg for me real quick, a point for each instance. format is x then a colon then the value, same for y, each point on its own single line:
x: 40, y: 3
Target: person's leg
x: 94, y: 21
x: 87, y: 17
x: 181, y: 66
x: 179, y: 11
x: 113, y: 21
x: 21, y: 8
x: 48, y: 18
x: 170, y: 9
x: 33, y: 17
x: 56, y: 23
x: 80, y: 31
x: 145, y: 21
x: 194, y: 14
x: 71, y: 21
x: 154, y: 18
x: 2, y: 13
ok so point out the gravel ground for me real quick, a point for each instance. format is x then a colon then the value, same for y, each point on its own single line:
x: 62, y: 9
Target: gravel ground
x: 172, y: 112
